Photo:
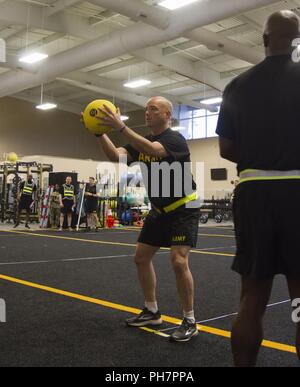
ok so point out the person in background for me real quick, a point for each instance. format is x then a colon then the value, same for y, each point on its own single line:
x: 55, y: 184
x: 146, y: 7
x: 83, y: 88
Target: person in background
x: 91, y: 204
x: 55, y: 201
x: 25, y: 199
x: 68, y: 202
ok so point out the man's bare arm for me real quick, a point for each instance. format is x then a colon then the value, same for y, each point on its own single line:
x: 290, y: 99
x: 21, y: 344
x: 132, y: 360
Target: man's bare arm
x: 112, y: 152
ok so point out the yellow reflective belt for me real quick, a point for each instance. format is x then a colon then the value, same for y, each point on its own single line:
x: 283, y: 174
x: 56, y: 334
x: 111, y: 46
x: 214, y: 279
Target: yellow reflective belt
x: 259, y: 175
x: 177, y: 204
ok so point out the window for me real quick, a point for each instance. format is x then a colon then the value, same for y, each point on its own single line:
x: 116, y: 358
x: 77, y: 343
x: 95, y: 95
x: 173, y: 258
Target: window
x: 197, y: 123
x: 199, y: 129
x: 186, y: 129
x: 211, y: 125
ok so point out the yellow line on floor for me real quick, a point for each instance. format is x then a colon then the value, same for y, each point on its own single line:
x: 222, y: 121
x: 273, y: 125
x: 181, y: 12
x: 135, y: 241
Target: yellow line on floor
x: 218, y: 235
x: 70, y: 238
x: 201, y: 234
x: 71, y: 295
x: 172, y: 320
x: 203, y: 252
x: 211, y: 253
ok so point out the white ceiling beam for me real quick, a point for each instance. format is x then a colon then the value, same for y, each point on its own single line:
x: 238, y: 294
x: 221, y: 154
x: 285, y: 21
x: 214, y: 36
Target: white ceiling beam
x: 123, y: 92
x: 69, y: 107
x: 126, y: 40
x: 175, y: 49
x: 182, y: 66
x: 115, y: 66
x: 70, y: 96
x: 65, y: 23
x: 175, y: 85
x: 60, y: 5
x: 201, y: 94
x: 241, y: 29
x: 212, y: 40
x: 137, y: 11
x: 135, y: 99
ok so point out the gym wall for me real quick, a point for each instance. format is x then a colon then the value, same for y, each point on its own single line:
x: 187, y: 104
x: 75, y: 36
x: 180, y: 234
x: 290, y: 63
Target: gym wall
x: 207, y: 151
x: 26, y: 131
x: 84, y: 168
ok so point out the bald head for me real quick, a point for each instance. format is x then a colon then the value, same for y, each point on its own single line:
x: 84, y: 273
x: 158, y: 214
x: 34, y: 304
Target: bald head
x: 280, y: 30
x: 162, y: 101
x: 158, y: 114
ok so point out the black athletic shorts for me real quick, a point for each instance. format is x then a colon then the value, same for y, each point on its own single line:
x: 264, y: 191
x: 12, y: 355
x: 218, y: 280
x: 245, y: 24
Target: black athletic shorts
x: 25, y: 203
x: 178, y: 228
x: 266, y: 217
x: 91, y: 208
x: 67, y: 208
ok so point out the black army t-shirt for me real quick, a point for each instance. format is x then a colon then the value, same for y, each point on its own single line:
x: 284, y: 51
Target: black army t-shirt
x: 261, y: 115
x: 91, y: 200
x: 166, y: 188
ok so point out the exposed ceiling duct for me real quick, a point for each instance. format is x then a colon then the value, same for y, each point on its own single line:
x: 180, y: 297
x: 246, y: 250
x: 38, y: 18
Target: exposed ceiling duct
x: 127, y: 40
x: 158, y: 17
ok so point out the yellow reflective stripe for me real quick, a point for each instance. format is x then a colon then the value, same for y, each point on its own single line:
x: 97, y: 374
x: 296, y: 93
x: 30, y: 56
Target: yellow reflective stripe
x: 260, y: 175
x: 28, y: 189
x: 249, y: 171
x: 180, y: 202
x: 68, y: 192
x: 261, y: 178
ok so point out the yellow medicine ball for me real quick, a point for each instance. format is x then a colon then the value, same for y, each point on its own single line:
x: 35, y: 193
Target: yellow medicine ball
x: 12, y: 157
x: 92, y: 114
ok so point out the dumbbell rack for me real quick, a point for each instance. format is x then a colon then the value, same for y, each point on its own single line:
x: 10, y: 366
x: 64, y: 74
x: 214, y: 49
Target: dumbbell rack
x: 217, y: 209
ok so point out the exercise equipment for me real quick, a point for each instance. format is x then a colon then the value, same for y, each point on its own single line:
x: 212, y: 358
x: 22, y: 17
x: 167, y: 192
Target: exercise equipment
x: 217, y: 209
x: 146, y: 200
x: 126, y: 217
x: 12, y: 157
x: 204, y: 218
x: 92, y: 116
x: 81, y: 206
x: 45, y: 207
x: 9, y: 187
x: 218, y: 218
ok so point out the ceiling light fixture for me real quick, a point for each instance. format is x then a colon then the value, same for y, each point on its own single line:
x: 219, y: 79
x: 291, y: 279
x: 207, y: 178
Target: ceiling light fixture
x: 175, y: 4
x: 45, y: 105
x: 212, y: 101
x: 137, y: 83
x: 35, y: 57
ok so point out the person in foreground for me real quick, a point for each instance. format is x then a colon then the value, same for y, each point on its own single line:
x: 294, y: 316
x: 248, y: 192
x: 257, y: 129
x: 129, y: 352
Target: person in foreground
x: 259, y: 130
x: 173, y: 220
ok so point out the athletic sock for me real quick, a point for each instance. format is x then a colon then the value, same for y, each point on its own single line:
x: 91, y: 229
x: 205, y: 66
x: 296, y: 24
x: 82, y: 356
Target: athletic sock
x: 189, y: 316
x: 151, y: 306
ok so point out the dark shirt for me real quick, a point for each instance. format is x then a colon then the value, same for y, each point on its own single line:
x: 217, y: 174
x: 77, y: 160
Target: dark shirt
x: 91, y: 200
x: 174, y: 182
x: 261, y: 114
